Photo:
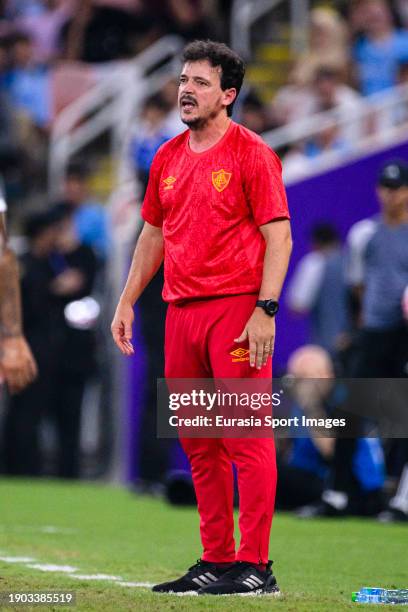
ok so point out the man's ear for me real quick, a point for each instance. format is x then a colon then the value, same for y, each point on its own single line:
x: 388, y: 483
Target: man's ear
x: 229, y: 96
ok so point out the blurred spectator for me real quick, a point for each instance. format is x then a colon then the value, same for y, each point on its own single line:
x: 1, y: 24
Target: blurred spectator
x: 328, y: 44
x: 378, y: 273
x: 14, y: 161
x: 173, y: 125
x: 56, y: 271
x: 253, y: 113
x: 43, y: 26
x: 329, y: 140
x: 331, y: 94
x: 304, y: 468
x: 380, y: 47
x: 90, y: 217
x: 346, y: 475
x: 377, y: 270
x: 151, y: 133
x: 105, y: 32
x: 295, y: 163
x: 317, y: 288
x: 329, y: 91
x: 292, y: 102
x: 20, y: 8
x: 187, y: 18
x: 21, y: 435
x: 28, y: 83
x: 401, y: 113
x: 302, y: 157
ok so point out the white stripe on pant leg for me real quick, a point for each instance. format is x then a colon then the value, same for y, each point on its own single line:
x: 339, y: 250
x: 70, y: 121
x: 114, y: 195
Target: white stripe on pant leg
x: 205, y: 579
x: 211, y: 576
x: 250, y: 583
x: 199, y: 582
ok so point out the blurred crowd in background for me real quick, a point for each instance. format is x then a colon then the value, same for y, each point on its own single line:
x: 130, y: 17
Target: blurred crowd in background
x: 51, y: 51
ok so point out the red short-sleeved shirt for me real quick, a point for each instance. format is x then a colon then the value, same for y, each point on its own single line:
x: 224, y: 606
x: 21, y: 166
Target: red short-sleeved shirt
x: 210, y: 206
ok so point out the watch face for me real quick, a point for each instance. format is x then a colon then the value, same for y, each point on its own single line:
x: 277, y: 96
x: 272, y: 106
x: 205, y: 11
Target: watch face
x: 271, y: 307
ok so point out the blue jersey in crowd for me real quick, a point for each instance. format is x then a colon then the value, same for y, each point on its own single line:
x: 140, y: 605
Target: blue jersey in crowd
x: 91, y: 226
x: 377, y: 62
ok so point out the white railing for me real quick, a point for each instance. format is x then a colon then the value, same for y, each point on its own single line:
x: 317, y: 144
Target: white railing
x: 374, y: 121
x: 109, y: 105
x: 245, y: 13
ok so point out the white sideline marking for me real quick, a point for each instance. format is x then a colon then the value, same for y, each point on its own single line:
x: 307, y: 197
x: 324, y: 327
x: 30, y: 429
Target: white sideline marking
x: 97, y: 577
x: 52, y: 529
x: 66, y: 569
x: 17, y: 559
x: 70, y: 570
x: 40, y: 529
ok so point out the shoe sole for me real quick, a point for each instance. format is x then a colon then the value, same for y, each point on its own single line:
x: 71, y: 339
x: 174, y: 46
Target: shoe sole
x: 176, y: 593
x: 255, y: 593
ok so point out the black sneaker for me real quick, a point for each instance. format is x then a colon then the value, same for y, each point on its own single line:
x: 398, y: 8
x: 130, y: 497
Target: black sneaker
x: 198, y: 575
x: 243, y: 579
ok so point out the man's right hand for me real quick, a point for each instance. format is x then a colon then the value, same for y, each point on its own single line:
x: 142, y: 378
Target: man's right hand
x: 17, y: 363
x: 121, y: 328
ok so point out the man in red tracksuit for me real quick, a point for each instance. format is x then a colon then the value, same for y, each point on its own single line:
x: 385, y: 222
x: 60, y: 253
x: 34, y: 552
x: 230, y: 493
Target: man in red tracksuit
x: 216, y: 210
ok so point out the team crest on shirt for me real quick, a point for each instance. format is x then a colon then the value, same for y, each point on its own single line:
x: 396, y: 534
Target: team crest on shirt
x: 169, y: 182
x: 221, y: 179
x: 240, y: 354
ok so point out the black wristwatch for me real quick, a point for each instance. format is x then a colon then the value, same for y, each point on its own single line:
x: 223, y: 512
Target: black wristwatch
x: 271, y: 307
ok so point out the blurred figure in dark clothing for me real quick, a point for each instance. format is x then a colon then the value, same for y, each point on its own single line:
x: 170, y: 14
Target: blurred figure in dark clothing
x: 378, y: 276
x: 57, y: 270
x: 23, y: 416
x: 253, y: 113
x: 105, y: 33
x: 318, y: 289
x: 89, y: 215
x: 336, y: 475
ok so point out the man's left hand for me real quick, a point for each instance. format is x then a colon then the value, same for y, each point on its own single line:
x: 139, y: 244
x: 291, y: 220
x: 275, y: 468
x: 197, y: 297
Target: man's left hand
x: 260, y: 332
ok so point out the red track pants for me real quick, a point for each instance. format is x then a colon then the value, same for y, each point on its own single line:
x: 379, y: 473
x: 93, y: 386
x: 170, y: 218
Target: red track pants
x: 199, y: 341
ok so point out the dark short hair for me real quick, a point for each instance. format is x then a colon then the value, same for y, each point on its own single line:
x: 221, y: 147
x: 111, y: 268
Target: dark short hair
x: 218, y: 54
x: 20, y: 37
x: 59, y: 211
x: 158, y: 102
x: 35, y: 223
x: 324, y: 234
x: 78, y: 170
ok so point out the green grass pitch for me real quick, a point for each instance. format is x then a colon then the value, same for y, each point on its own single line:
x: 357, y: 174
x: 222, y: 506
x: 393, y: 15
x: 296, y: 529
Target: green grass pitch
x: 100, y: 529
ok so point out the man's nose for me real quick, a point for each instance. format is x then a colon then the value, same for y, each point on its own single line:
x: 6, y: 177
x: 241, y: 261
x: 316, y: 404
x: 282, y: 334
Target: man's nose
x: 187, y: 88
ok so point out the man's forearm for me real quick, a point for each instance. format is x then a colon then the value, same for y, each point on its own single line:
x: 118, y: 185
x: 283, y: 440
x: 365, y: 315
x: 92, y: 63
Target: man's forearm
x: 147, y: 258
x: 276, y: 260
x: 10, y: 300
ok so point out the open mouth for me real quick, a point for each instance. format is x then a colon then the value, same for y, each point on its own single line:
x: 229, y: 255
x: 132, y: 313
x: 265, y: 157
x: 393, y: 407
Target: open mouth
x: 188, y: 105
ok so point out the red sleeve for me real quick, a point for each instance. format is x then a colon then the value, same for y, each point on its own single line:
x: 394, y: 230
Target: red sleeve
x: 263, y: 185
x: 152, y: 211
